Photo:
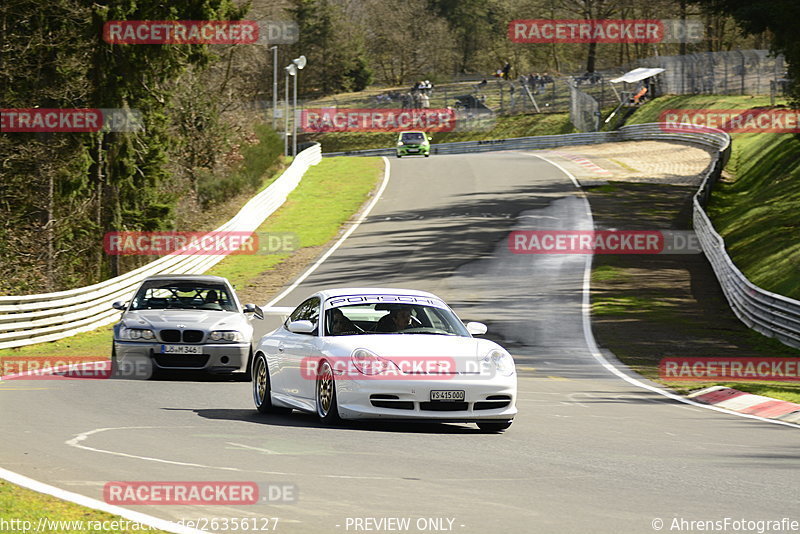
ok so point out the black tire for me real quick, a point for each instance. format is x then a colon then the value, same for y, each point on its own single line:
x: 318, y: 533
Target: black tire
x: 325, y: 393
x: 261, y: 387
x: 399, y: 156
x: 156, y: 372
x: 247, y: 376
x: 494, y: 426
x: 427, y: 155
x: 114, y: 363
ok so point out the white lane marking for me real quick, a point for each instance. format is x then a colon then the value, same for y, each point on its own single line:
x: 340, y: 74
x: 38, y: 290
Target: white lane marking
x: 575, y: 181
x: 251, y: 448
x: 364, y: 214
x: 76, y: 442
x: 82, y: 500
x: 595, y: 350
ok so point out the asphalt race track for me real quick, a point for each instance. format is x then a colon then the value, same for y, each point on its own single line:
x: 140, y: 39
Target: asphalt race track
x: 588, y: 453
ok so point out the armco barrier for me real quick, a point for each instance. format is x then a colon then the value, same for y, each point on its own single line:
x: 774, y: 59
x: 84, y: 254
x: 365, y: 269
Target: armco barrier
x: 768, y: 313
x: 29, y: 319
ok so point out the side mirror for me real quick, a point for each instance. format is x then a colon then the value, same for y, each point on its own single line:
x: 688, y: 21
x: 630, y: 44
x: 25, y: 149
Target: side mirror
x: 120, y: 305
x: 476, y: 329
x: 302, y: 327
x: 255, y: 310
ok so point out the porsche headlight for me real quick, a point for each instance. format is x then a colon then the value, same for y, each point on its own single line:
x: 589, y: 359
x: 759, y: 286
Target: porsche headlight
x: 226, y: 335
x: 501, y: 360
x: 136, y: 334
x: 369, y: 363
x: 399, y: 143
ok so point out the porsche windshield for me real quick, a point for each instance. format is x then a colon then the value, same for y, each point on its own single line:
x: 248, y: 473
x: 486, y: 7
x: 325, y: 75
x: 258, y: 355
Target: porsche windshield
x: 392, y: 318
x: 161, y: 295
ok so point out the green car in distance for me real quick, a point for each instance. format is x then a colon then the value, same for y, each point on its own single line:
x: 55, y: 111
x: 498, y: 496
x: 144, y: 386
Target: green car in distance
x: 413, y: 143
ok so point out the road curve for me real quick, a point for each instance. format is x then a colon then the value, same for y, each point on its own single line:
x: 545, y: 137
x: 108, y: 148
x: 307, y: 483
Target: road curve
x: 587, y: 453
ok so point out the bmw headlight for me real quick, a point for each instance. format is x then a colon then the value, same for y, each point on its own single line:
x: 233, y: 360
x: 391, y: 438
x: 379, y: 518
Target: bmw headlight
x: 501, y: 360
x: 369, y: 363
x: 136, y: 334
x: 226, y: 335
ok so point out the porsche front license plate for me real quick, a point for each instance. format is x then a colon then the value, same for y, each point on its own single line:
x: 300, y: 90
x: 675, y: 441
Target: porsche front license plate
x: 181, y: 349
x: 447, y: 395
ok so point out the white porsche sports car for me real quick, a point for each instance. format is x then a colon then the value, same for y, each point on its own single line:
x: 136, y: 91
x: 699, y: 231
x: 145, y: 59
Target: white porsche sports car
x: 366, y: 353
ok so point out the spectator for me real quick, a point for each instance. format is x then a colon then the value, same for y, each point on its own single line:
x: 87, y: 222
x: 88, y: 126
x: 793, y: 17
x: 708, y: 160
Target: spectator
x: 639, y: 96
x: 506, y: 70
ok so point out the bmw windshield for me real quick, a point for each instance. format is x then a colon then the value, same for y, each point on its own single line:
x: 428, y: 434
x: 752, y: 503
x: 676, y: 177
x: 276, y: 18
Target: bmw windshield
x: 166, y: 295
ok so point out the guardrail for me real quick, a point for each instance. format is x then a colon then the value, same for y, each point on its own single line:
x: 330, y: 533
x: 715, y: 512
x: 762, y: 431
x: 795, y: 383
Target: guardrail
x: 30, y: 319
x: 768, y: 313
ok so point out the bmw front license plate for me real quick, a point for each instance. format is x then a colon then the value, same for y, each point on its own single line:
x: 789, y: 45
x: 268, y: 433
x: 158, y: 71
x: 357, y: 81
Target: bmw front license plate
x: 181, y: 349
x: 447, y: 394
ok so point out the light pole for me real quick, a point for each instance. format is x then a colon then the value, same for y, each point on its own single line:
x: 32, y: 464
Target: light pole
x: 298, y: 63
x: 274, y: 85
x: 291, y: 70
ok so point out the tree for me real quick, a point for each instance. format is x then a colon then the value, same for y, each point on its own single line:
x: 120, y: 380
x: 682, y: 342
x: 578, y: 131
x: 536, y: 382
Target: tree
x: 778, y: 17
x: 405, y: 46
x: 335, y: 48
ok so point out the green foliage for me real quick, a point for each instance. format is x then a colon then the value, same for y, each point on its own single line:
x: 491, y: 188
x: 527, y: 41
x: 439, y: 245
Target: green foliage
x: 777, y: 19
x: 756, y: 208
x: 329, y: 42
x: 213, y: 188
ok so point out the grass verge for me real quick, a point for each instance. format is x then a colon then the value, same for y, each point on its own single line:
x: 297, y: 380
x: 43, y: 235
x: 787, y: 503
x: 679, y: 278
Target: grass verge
x: 649, y: 307
x: 20, y: 505
x: 755, y: 206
